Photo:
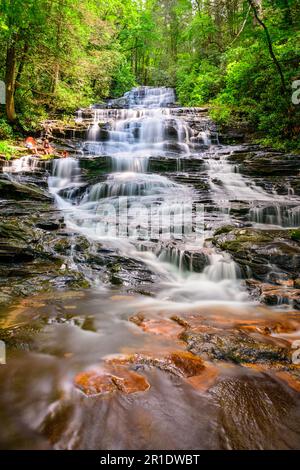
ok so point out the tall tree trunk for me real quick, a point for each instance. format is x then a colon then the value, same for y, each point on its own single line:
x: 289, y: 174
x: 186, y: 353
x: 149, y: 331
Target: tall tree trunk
x: 10, y: 81
x: 270, y: 46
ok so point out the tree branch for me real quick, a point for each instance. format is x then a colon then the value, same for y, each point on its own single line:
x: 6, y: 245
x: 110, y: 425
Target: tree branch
x: 270, y: 46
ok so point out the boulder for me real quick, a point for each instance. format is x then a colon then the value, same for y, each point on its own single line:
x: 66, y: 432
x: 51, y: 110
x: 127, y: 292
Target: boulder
x: 260, y: 252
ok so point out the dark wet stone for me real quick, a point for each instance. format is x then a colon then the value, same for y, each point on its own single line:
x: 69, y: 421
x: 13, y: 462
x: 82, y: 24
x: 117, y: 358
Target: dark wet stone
x: 235, y: 346
x: 13, y: 190
x: 48, y: 225
x: 267, y: 162
x: 260, y: 251
x: 271, y: 294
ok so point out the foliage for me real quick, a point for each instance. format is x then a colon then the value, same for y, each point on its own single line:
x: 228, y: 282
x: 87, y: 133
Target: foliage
x: 6, y: 131
x: 66, y: 54
x: 6, y: 149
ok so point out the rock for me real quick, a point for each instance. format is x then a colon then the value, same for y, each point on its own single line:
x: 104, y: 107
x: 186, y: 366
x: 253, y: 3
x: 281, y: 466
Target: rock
x: 188, y: 364
x: 259, y: 250
x: 94, y: 382
x: 13, y: 190
x: 128, y: 381
x: 297, y: 283
x: 259, y: 162
x: 157, y: 326
x: 48, y: 225
x: 235, y: 346
x: 178, y: 363
x: 275, y: 295
x: 109, y: 380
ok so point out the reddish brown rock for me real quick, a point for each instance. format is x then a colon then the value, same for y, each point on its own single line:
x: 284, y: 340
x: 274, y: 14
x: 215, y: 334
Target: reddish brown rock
x: 102, y: 381
x: 94, y: 382
x: 206, y: 379
x: 187, y: 363
x: 292, y: 381
x: 157, y: 326
x: 180, y: 363
x: 128, y: 381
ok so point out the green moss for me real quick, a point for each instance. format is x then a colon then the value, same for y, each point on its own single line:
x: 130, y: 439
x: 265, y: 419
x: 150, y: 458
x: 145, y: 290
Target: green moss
x: 295, y: 235
x: 224, y: 229
x: 115, y: 280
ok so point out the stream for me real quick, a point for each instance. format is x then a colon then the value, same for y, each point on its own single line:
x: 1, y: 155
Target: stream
x: 173, y: 345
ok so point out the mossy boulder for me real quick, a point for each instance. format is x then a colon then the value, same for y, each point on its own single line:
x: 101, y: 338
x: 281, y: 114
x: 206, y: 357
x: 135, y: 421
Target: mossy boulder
x: 259, y: 252
x: 13, y: 190
x: 235, y: 346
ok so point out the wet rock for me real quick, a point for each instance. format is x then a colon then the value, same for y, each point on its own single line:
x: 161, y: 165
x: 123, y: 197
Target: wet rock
x: 48, y: 225
x: 261, y: 251
x: 276, y: 295
x: 157, y: 326
x: 179, y: 363
x: 267, y: 162
x: 292, y: 378
x: 94, y: 382
x: 128, y: 381
x: 17, y: 191
x: 235, y: 346
x: 109, y: 380
x: 188, y: 364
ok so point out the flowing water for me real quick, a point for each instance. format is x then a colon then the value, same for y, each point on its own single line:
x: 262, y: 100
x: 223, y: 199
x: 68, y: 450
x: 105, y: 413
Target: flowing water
x: 128, y: 212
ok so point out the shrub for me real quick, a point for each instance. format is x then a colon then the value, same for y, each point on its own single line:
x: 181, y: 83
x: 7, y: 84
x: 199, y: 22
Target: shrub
x: 6, y: 149
x: 6, y: 131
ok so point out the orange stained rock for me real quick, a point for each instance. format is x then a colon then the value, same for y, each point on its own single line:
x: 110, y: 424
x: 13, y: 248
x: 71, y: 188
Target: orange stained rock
x: 187, y: 363
x: 128, y: 381
x: 101, y: 381
x: 292, y: 381
x: 262, y: 323
x: 181, y: 363
x: 206, y: 379
x: 158, y: 326
x: 94, y: 382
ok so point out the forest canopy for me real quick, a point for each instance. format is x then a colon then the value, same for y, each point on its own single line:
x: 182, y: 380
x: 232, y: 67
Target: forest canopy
x: 240, y: 57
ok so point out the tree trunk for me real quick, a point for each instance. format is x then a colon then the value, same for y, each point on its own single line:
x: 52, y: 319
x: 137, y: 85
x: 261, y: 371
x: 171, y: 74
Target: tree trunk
x: 10, y: 81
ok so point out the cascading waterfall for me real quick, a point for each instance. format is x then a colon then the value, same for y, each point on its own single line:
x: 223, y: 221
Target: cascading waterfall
x: 266, y: 209
x: 134, y: 134
x: 146, y: 128
x: 26, y: 164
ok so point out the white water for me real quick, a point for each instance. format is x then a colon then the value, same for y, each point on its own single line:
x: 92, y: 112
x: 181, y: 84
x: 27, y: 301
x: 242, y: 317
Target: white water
x: 137, y: 133
x: 26, y: 164
x: 267, y: 210
x: 147, y: 128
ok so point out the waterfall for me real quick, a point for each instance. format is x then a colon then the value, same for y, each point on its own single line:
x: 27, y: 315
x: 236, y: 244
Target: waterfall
x: 151, y: 204
x: 220, y: 267
x: 146, y: 128
x: 26, y: 164
x: 65, y: 174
